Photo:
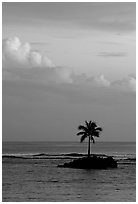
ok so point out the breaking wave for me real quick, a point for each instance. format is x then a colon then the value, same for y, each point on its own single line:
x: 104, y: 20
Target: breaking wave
x: 121, y: 159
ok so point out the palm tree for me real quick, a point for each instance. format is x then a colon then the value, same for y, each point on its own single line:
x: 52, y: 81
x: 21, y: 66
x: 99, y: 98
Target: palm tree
x: 90, y: 130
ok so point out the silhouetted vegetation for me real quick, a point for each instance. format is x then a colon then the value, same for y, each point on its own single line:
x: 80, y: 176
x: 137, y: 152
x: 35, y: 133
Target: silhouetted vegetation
x: 94, y: 162
x: 89, y: 130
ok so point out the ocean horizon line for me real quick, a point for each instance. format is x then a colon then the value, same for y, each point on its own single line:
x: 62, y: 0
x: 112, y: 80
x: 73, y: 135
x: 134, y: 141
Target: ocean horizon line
x: 70, y: 141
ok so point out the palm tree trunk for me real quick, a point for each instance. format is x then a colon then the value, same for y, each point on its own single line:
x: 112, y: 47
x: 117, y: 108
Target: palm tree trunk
x: 89, y: 147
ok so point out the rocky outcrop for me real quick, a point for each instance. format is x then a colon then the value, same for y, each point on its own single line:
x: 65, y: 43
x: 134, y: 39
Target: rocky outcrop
x: 94, y: 162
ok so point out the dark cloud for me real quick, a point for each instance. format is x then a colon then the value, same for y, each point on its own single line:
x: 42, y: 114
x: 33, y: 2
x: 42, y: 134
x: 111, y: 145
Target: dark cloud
x: 111, y: 54
x: 39, y: 43
x: 118, y: 17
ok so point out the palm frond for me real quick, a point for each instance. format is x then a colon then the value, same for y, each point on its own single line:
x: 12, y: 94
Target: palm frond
x: 93, y: 125
x: 81, y: 127
x: 93, y: 139
x: 96, y: 134
x: 90, y: 122
x: 80, y: 133
x: 89, y: 128
x: 87, y: 124
x: 99, y: 129
x: 83, y: 138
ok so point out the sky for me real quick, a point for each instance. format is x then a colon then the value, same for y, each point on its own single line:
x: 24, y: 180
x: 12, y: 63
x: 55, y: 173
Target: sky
x: 64, y: 63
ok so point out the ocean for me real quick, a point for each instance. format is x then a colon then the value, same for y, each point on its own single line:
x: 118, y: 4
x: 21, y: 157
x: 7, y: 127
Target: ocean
x: 30, y: 173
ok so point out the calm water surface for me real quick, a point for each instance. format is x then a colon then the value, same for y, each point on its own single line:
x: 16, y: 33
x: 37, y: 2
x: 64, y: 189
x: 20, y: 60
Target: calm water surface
x: 30, y: 173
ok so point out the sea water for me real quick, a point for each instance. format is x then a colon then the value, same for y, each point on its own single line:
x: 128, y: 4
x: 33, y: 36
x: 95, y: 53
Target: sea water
x: 30, y: 173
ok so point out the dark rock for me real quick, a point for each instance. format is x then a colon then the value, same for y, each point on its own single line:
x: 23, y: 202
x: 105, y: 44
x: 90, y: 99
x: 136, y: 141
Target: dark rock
x: 95, y: 162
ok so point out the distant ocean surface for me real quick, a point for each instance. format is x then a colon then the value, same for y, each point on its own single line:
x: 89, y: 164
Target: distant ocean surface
x: 30, y: 173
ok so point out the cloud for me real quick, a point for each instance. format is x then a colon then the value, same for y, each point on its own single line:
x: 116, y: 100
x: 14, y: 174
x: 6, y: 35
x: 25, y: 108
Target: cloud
x: 20, y: 62
x: 39, y: 43
x: 98, y: 81
x: 20, y: 55
x: 108, y: 16
x: 101, y: 81
x: 111, y: 54
x: 126, y: 84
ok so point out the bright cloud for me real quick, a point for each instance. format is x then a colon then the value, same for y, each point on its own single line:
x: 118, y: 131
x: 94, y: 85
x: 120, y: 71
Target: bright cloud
x: 19, y: 59
x: 20, y: 55
x: 101, y: 81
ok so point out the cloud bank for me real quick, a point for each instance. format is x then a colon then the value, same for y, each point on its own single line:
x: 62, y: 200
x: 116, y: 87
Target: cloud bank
x: 126, y: 84
x: 18, y: 58
x: 18, y: 54
x: 111, y: 54
x: 20, y: 61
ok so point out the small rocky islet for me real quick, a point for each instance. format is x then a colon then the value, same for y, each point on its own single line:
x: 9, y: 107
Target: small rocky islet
x: 90, y: 130
x: 93, y: 162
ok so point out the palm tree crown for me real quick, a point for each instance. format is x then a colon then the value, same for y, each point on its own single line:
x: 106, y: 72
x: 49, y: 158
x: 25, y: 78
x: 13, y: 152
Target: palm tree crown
x: 90, y: 130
